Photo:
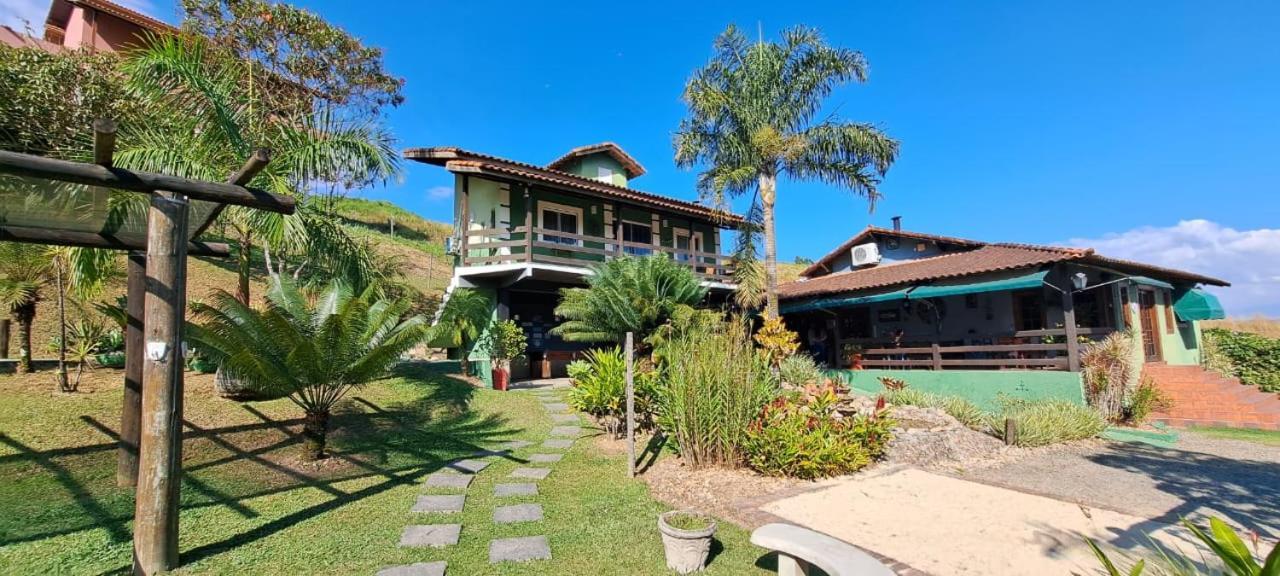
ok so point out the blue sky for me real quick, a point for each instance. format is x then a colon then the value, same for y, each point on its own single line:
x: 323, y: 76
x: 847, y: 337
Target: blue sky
x: 1148, y: 128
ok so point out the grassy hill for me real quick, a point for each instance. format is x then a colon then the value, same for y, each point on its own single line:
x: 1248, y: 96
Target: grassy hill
x: 417, y: 242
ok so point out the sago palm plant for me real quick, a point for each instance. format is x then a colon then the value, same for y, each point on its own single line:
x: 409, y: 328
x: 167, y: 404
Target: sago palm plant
x: 313, y: 349
x: 630, y: 294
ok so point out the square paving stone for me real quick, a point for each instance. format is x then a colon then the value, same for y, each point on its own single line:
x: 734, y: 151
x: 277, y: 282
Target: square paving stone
x: 565, y: 418
x: 430, y: 535
x: 515, y: 490
x: 451, y: 480
x: 556, y: 406
x: 468, y: 466
x: 516, y: 444
x: 416, y: 569
x: 519, y: 549
x: 546, y: 458
x: 534, y: 473
x: 517, y: 513
x: 441, y: 504
x: 570, y: 431
x: 558, y: 443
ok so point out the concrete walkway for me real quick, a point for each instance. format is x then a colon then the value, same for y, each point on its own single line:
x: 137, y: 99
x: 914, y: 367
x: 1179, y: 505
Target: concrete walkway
x: 947, y: 526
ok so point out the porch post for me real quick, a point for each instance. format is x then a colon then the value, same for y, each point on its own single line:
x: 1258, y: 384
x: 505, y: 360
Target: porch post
x: 464, y: 219
x: 1069, y: 321
x: 528, y: 224
x: 155, y: 525
x: 135, y: 294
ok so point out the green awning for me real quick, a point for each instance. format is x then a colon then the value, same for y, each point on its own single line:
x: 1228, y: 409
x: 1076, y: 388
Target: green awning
x: 938, y: 290
x: 1143, y: 280
x: 843, y: 301
x: 1196, y: 304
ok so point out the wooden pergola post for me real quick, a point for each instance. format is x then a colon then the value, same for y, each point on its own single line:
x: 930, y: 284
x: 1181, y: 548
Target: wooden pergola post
x: 155, y: 530
x: 1070, y: 332
x: 131, y: 409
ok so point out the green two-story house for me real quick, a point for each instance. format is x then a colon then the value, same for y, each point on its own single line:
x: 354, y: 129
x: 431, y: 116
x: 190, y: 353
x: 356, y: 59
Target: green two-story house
x: 524, y: 231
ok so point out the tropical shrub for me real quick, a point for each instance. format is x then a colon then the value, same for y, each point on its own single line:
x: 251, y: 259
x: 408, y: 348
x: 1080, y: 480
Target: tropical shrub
x: 799, y: 370
x: 505, y: 340
x: 313, y: 349
x: 957, y: 407
x: 1147, y: 398
x: 892, y: 384
x: 1110, y: 374
x: 600, y: 388
x: 714, y: 385
x: 801, y: 435
x: 1252, y: 358
x: 1044, y: 422
x: 1229, y: 551
x: 627, y: 294
x: 776, y: 342
x: 461, y: 322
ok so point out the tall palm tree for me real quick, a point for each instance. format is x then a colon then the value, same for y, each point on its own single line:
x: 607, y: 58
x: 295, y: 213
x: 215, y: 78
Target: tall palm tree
x: 24, y: 272
x: 751, y: 119
x: 627, y: 294
x: 313, y: 349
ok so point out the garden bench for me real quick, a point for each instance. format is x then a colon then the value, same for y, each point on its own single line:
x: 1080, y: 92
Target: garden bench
x: 800, y: 548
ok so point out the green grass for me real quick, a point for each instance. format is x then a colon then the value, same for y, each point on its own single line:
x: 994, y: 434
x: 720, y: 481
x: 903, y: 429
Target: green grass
x: 248, y: 506
x: 1268, y: 437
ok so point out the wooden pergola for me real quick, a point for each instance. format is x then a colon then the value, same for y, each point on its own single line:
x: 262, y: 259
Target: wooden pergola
x: 82, y: 208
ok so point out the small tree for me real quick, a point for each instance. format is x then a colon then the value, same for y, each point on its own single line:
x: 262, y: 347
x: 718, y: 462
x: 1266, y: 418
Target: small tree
x: 314, y: 350
x: 627, y: 295
x: 464, y: 316
x: 506, y: 340
x: 23, y: 274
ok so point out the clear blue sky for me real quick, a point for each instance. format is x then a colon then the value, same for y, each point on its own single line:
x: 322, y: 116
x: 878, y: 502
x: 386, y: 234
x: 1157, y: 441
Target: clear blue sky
x: 1020, y: 121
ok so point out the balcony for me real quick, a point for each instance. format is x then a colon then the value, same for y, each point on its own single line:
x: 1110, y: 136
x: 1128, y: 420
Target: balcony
x: 492, y: 247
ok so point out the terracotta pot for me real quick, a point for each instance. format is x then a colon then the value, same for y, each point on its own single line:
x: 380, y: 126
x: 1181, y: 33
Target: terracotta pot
x: 501, y: 378
x: 686, y: 550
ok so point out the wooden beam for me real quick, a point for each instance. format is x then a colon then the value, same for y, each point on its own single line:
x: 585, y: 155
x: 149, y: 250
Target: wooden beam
x: 131, y: 410
x: 104, y: 141
x: 465, y: 218
x: 155, y: 519
x: 98, y: 240
x: 119, y: 178
x: 254, y: 164
x: 1071, y: 333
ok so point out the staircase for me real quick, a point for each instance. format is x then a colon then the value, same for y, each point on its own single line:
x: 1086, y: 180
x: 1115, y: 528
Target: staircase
x: 1203, y: 398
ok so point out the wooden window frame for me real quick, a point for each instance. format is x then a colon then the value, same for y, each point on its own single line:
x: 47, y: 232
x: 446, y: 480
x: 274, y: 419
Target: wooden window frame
x: 1170, y: 324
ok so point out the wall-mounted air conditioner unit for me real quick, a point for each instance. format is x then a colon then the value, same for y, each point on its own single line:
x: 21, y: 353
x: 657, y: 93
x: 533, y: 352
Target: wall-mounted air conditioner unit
x: 865, y: 254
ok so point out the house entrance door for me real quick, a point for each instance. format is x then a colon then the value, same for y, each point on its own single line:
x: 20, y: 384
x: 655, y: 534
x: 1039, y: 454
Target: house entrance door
x: 1150, y: 332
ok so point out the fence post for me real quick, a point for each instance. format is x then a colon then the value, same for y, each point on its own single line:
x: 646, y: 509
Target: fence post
x: 631, y: 408
x: 936, y: 356
x: 1010, y: 431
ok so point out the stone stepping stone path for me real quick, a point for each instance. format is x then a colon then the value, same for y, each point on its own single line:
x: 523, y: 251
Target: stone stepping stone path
x: 546, y: 458
x: 416, y: 569
x: 447, y: 504
x: 556, y: 406
x: 566, y: 431
x: 507, y: 490
x: 531, y: 473
x: 517, y: 513
x: 516, y: 445
x: 469, y: 466
x: 519, y: 549
x: 565, y: 418
x: 558, y: 443
x: 430, y: 535
x: 449, y: 480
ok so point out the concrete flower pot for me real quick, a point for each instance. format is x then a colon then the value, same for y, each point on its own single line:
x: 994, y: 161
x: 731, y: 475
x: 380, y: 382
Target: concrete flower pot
x: 686, y: 550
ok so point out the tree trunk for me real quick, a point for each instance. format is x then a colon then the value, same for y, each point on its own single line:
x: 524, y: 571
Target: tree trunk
x: 314, y: 430
x: 246, y: 251
x: 4, y: 337
x: 25, y: 315
x: 63, y: 385
x: 768, y: 197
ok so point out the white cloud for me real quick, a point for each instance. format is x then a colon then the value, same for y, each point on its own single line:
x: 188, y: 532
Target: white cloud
x: 1248, y: 259
x: 19, y: 14
x: 439, y: 193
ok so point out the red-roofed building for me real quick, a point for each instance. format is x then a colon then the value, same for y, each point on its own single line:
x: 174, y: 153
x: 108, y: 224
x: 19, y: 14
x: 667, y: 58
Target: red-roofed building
x: 90, y: 25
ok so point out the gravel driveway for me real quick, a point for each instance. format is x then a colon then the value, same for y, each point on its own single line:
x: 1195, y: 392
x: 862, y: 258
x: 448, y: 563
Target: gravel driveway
x: 1198, y: 476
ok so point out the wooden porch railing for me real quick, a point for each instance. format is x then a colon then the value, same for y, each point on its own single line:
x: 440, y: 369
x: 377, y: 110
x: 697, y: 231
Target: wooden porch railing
x: 485, y: 246
x: 1052, y: 356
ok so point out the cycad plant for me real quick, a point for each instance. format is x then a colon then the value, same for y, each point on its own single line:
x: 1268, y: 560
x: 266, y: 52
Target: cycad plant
x: 629, y: 294
x: 751, y: 120
x: 313, y: 349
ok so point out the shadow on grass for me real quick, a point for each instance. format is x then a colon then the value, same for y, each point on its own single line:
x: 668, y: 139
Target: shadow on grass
x: 398, y: 443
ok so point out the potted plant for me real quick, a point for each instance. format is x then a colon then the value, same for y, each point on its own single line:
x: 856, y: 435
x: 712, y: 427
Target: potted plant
x: 506, y: 340
x: 686, y: 539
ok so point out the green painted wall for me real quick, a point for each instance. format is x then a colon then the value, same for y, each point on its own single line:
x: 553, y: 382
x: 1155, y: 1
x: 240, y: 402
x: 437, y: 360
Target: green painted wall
x: 982, y: 387
x: 588, y: 167
x: 1182, y: 347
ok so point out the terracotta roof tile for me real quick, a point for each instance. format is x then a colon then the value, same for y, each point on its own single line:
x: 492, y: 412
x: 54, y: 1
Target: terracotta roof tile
x: 133, y: 16
x: 634, y: 169
x: 14, y: 39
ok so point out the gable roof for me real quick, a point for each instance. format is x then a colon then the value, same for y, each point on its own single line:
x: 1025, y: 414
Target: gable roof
x: 458, y: 160
x: 125, y: 14
x: 633, y: 168
x: 865, y: 236
x: 14, y: 39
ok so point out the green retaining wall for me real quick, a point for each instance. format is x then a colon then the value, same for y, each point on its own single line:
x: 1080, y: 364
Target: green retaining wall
x: 982, y: 387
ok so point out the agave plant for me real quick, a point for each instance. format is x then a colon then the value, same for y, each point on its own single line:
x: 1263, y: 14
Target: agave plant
x: 313, y: 349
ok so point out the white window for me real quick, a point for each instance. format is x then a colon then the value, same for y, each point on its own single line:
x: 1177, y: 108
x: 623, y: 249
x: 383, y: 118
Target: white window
x: 639, y: 234
x: 604, y: 174
x: 682, y: 245
x: 560, y: 218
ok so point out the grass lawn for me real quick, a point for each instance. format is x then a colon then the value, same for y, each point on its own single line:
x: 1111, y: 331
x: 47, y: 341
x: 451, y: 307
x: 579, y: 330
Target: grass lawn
x: 249, y: 506
x: 1268, y: 437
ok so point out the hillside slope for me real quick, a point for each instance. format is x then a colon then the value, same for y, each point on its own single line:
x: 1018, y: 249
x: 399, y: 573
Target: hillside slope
x: 417, y: 243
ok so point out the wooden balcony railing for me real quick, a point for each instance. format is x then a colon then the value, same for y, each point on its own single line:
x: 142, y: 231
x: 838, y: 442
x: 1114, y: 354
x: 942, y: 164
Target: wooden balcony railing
x: 1021, y: 354
x: 497, y: 246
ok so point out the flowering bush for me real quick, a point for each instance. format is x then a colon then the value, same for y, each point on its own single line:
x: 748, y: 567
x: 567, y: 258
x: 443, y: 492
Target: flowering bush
x: 802, y: 435
x: 776, y: 342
